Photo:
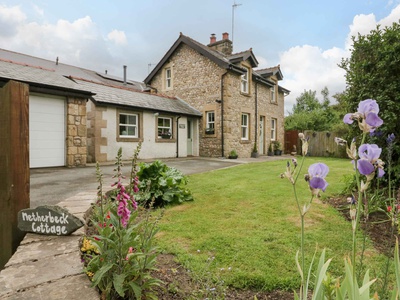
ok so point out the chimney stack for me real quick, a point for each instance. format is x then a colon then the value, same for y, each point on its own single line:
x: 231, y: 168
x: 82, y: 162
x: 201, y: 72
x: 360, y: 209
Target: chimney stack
x: 224, y: 45
x: 213, y: 38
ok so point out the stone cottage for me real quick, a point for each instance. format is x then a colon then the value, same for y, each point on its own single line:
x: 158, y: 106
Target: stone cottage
x: 242, y: 107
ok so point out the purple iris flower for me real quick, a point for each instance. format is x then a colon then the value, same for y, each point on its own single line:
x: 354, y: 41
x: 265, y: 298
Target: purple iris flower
x: 369, y: 159
x: 317, y: 173
x: 367, y: 110
x: 390, y: 139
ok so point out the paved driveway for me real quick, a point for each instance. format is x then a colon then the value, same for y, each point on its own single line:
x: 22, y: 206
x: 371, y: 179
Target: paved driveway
x: 50, y: 186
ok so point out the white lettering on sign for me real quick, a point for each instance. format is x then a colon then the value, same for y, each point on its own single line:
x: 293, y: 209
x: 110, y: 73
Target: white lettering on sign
x: 47, y: 223
x: 45, y: 228
x: 35, y: 217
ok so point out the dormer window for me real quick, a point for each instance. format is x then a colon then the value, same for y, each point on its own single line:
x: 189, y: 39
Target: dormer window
x: 244, y: 86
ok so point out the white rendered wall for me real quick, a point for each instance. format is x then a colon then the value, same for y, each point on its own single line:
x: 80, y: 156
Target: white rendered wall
x: 150, y: 148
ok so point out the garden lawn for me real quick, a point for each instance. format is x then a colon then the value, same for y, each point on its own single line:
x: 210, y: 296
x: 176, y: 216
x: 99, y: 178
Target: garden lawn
x: 247, y: 219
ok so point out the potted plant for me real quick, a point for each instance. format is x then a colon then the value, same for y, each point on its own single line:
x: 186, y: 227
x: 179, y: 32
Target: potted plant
x: 254, y: 152
x: 270, y: 152
x: 210, y: 131
x: 277, y: 148
x: 233, y: 154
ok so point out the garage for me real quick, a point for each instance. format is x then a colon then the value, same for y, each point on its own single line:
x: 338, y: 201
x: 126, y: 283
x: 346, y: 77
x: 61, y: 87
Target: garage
x: 47, y: 131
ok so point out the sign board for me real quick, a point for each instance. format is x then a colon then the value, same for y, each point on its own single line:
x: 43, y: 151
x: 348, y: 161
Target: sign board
x: 48, y: 220
x: 182, y: 126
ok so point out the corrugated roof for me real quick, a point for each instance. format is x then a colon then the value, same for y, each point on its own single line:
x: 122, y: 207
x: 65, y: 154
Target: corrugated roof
x: 121, y: 96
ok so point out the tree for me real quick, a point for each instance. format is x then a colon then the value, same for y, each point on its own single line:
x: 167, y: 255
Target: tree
x: 310, y: 114
x: 372, y: 73
x: 306, y: 102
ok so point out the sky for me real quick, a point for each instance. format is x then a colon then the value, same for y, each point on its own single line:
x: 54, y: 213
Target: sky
x: 308, y: 38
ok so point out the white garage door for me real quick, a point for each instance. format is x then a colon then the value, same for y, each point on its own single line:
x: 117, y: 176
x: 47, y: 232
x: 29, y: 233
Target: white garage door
x: 46, y: 131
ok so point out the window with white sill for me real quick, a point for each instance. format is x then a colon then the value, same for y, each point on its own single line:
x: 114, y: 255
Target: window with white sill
x: 128, y: 125
x: 245, y: 126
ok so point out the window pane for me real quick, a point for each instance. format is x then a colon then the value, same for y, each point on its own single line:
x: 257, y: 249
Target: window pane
x: 132, y: 119
x: 122, y: 119
x: 164, y: 129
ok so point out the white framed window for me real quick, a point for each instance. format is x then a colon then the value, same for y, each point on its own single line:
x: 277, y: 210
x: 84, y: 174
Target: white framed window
x: 128, y: 125
x: 244, y: 85
x: 273, y: 129
x: 210, y: 122
x: 273, y: 95
x: 164, y: 128
x: 245, y: 126
x: 168, y: 78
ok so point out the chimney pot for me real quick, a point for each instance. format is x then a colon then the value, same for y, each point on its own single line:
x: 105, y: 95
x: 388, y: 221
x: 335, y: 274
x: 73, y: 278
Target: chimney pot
x: 225, y: 36
x: 213, y: 39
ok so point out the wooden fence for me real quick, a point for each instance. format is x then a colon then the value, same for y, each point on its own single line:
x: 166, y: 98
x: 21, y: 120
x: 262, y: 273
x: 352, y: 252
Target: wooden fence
x: 319, y: 144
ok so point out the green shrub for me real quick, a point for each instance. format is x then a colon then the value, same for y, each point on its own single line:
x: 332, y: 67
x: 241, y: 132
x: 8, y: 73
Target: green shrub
x: 166, y: 184
x: 120, y: 257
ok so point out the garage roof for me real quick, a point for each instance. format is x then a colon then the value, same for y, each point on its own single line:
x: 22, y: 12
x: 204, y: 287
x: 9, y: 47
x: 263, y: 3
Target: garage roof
x: 38, y: 76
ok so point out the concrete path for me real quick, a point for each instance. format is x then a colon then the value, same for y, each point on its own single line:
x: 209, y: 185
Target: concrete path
x: 51, y: 185
x: 49, y: 267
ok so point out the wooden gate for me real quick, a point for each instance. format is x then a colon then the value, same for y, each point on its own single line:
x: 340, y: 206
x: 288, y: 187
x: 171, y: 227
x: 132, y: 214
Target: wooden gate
x: 292, y: 139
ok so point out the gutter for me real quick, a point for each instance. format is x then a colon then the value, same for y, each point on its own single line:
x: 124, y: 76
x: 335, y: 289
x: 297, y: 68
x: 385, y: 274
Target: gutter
x: 177, y: 136
x: 256, y: 114
x: 222, y: 114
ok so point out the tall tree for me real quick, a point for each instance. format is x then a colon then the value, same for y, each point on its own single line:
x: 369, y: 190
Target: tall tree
x: 372, y: 72
x: 311, y: 114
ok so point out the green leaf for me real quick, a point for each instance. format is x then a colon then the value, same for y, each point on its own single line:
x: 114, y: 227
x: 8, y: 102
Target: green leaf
x: 397, y: 266
x: 100, y: 273
x: 136, y: 289
x: 118, y: 282
x: 321, y: 274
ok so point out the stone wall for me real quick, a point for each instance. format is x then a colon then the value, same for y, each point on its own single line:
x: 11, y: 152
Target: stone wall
x: 76, y: 132
x: 95, y: 140
x: 197, y: 80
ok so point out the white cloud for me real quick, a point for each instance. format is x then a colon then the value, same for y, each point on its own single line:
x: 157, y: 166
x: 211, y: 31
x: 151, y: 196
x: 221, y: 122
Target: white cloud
x: 363, y: 24
x: 311, y: 68
x: 79, y: 42
x: 38, y: 10
x: 10, y: 19
x: 118, y: 37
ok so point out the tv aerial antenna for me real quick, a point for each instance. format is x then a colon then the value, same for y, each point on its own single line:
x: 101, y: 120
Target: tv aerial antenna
x: 233, y: 16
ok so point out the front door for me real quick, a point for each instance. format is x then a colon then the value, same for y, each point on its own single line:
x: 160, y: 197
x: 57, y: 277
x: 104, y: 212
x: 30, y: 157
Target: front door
x: 189, y: 137
x: 261, y: 137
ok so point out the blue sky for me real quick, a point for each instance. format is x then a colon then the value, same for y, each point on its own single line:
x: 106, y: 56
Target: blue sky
x: 307, y: 38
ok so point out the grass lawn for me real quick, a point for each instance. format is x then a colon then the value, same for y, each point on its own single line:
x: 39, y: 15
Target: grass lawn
x: 246, y: 217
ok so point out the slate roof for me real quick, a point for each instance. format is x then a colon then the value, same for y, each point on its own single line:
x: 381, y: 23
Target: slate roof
x: 215, y: 56
x: 123, y: 96
x: 67, y: 70
x: 104, y: 88
x: 38, y: 77
x: 228, y: 62
x: 267, y: 72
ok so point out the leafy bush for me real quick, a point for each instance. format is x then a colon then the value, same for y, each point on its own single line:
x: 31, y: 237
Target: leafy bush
x: 120, y: 256
x: 165, y: 184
